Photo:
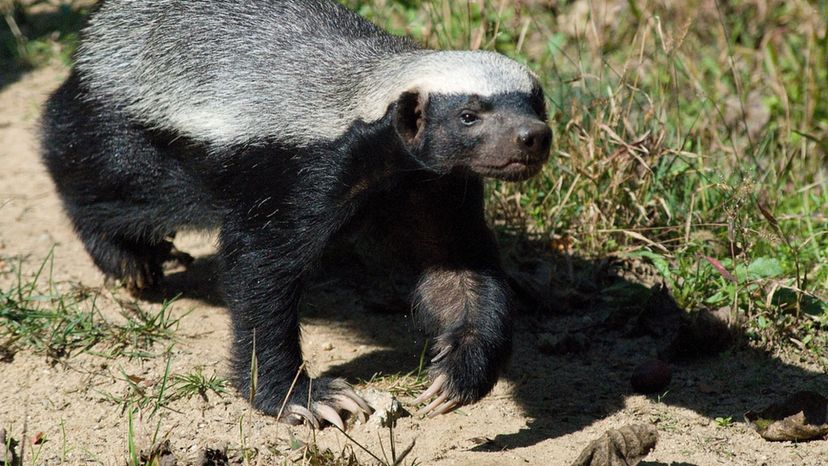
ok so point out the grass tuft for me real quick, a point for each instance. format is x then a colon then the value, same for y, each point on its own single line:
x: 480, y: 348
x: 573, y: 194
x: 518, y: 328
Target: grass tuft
x: 59, y: 320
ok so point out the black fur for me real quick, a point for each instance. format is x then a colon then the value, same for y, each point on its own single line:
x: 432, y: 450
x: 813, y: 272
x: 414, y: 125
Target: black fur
x: 411, y: 175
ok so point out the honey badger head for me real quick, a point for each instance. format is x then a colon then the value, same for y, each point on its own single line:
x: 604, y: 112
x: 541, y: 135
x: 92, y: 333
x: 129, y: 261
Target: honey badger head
x: 474, y: 111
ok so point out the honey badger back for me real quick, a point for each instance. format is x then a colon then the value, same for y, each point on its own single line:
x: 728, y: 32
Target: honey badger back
x: 277, y: 122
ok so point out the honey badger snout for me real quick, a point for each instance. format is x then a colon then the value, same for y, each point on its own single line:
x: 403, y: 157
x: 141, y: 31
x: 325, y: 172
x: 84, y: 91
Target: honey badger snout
x: 533, y: 139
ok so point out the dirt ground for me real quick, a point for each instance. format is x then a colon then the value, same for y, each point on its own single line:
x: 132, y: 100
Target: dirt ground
x: 544, y: 411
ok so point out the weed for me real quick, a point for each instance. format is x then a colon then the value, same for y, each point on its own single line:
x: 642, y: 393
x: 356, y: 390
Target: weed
x: 724, y: 422
x: 196, y: 383
x: 409, y: 384
x: 59, y: 320
x: 31, y: 35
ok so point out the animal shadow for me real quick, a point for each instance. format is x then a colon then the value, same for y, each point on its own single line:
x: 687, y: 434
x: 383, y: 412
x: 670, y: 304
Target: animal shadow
x: 579, y: 335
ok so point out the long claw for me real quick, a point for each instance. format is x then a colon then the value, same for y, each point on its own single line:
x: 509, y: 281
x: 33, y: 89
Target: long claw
x: 329, y: 414
x: 437, y: 401
x: 348, y: 404
x: 291, y: 419
x: 358, y: 400
x: 443, y: 352
x: 306, y: 414
x: 432, y: 390
x: 444, y: 408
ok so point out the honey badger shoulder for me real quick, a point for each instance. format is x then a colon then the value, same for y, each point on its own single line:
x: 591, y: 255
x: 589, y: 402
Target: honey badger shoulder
x: 280, y: 123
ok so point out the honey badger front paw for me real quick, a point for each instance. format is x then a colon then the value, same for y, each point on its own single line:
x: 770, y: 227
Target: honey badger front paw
x: 461, y: 375
x: 330, y: 398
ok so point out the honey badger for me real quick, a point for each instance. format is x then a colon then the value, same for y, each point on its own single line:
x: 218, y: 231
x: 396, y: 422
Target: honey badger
x: 281, y: 123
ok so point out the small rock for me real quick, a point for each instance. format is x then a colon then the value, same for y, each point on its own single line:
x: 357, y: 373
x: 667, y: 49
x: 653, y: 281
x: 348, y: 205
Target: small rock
x: 652, y: 376
x: 328, y: 346
x: 387, y: 409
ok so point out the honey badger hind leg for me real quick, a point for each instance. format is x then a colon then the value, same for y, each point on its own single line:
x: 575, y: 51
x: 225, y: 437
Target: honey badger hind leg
x: 123, y: 196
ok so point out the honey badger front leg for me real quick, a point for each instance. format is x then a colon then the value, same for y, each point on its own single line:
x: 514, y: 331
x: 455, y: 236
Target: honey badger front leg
x: 469, y: 308
x: 282, y: 220
x: 462, y: 298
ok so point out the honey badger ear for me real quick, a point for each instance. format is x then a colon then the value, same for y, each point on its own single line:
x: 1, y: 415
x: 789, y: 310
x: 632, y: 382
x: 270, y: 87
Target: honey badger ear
x: 409, y: 119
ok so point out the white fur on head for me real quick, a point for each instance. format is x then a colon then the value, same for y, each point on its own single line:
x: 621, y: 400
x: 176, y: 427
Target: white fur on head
x: 449, y: 72
x: 231, y: 72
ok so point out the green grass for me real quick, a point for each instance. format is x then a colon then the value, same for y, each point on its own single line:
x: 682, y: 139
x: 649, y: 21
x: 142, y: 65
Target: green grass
x: 683, y: 130
x: 58, y: 320
x: 33, y: 33
x: 148, y: 396
x: 196, y: 383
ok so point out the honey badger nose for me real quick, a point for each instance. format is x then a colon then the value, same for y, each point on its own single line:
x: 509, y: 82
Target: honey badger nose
x: 534, y: 139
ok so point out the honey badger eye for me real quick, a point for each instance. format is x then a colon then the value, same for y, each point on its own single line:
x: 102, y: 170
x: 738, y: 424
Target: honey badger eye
x: 469, y: 118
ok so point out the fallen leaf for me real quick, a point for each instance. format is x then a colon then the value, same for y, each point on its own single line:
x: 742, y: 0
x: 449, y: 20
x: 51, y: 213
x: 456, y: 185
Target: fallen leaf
x: 803, y: 416
x: 135, y: 379
x: 626, y: 446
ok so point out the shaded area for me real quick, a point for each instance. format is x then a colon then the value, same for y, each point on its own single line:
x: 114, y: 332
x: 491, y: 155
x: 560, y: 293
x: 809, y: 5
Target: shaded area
x: 34, y: 34
x: 601, y: 324
x: 200, y: 281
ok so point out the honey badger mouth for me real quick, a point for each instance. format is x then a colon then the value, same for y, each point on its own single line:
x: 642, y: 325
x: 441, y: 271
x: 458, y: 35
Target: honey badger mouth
x: 511, y: 170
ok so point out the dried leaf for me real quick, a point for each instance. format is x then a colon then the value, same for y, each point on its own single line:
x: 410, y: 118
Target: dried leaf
x: 3, y: 452
x: 721, y: 269
x: 803, y: 416
x: 763, y: 209
x: 626, y: 446
x: 213, y: 457
x: 135, y: 379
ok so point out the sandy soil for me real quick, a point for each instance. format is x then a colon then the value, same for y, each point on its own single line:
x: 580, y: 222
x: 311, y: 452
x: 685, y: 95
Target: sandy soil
x: 544, y: 411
